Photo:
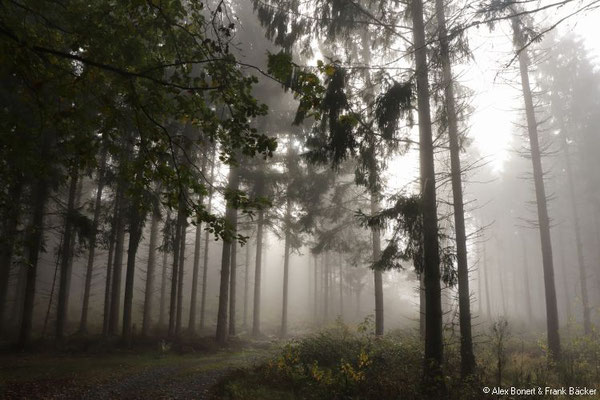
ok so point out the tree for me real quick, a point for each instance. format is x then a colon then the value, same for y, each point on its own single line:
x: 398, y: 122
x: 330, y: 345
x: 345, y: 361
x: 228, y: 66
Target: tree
x: 540, y: 192
x: 433, y: 304
x: 464, y: 296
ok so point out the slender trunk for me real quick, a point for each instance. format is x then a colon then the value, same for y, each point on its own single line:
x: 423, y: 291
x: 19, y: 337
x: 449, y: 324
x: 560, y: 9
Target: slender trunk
x: 7, y: 241
x: 422, y: 301
x: 64, y: 289
x: 326, y: 294
x: 33, y: 244
x: 377, y: 274
x: 257, y: 273
x: 175, y: 271
x: 231, y: 215
x: 196, y: 267
x: 434, y: 352
x: 115, y: 290
x: 163, y: 280
x: 233, y: 281
x: 341, y: 288
x: 587, y: 325
x: 464, y: 299
x: 195, y: 271
x: 541, y: 200
x: 315, y: 288
x: 286, y: 269
x: 107, y: 287
x: 246, y: 283
x: 150, y: 274
x: 136, y: 222
x: 206, y: 244
x: 53, y: 287
x: 180, y: 276
x: 92, y: 244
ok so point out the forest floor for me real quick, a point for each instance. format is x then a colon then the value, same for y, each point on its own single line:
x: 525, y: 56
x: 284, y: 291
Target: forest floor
x: 121, y: 374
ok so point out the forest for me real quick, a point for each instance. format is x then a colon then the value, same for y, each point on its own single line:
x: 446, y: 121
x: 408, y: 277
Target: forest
x: 299, y: 199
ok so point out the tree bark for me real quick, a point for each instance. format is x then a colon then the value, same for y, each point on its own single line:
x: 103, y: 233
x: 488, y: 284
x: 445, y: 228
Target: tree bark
x: 163, y: 281
x: 258, y: 264
x: 464, y: 299
x: 377, y: 274
x: 33, y: 244
x: 150, y: 274
x: 233, y: 278
x: 246, y: 283
x: 108, y: 280
x: 175, y: 271
x: 231, y: 215
x: 136, y: 222
x: 341, y: 282
x: 115, y: 292
x: 540, y: 194
x: 315, y: 292
x: 181, y: 266
x: 11, y: 218
x: 286, y: 269
x: 434, y: 353
x: 92, y: 243
x: 64, y: 288
x: 206, y: 244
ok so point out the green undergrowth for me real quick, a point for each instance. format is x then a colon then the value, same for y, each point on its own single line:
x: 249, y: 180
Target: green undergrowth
x: 350, y: 363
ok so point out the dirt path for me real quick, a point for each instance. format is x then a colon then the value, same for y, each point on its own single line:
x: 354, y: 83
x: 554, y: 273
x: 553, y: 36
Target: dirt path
x: 122, y: 377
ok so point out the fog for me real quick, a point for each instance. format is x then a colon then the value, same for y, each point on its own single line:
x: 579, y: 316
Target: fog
x: 259, y: 173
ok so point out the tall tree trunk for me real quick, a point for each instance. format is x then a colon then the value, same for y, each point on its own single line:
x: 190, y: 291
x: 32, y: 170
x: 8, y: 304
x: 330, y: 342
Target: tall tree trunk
x: 434, y: 352
x: 92, y: 244
x: 150, y: 273
x: 136, y: 223
x: 246, y: 283
x: 108, y: 280
x: 233, y: 279
x: 175, y: 270
x: 286, y: 269
x: 7, y: 241
x: 540, y: 194
x: 195, y: 271
x: 163, y: 280
x: 196, y: 267
x: 377, y: 274
x: 326, y: 294
x: 341, y: 282
x: 467, y: 363
x: 258, y: 263
x: 316, y: 292
x: 33, y: 244
x: 181, y: 266
x: 231, y: 215
x: 587, y: 325
x: 115, y: 291
x: 422, y: 301
x: 64, y: 289
x: 206, y: 243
